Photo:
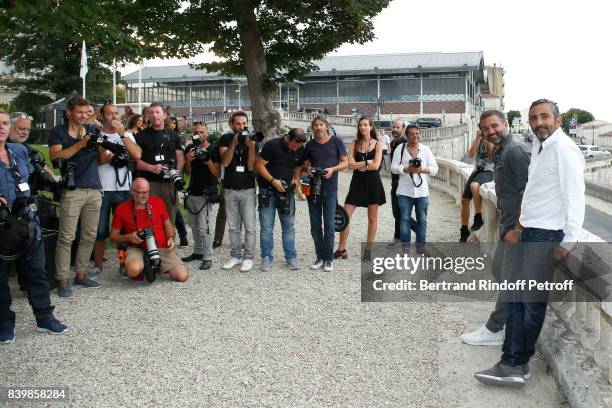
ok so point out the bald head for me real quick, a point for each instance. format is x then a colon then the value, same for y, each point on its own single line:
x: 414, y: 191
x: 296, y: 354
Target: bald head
x: 140, y: 191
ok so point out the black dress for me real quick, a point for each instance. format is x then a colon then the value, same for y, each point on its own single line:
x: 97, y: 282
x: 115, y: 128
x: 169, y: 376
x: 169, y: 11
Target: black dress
x: 366, y: 186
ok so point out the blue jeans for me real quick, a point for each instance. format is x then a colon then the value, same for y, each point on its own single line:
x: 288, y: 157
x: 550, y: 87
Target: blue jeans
x: 526, y: 317
x: 110, y: 201
x: 420, y: 205
x: 326, y: 208
x: 266, y: 223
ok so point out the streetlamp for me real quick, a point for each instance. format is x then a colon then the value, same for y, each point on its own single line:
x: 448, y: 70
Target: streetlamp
x: 379, y: 102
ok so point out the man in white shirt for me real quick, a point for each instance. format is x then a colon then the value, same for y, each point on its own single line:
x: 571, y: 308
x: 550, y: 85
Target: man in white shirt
x: 115, y: 178
x: 414, y: 163
x: 551, y: 217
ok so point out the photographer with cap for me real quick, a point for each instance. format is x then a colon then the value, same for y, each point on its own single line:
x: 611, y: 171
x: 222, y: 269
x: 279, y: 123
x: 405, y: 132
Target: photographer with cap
x: 162, y: 159
x: 278, y: 167
x: 238, y: 157
x: 21, y: 241
x: 202, y: 164
x: 115, y: 177
x: 82, y: 195
x: 138, y: 217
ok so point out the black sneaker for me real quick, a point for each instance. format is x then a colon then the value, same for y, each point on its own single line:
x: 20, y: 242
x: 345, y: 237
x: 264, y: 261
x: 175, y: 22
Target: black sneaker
x: 183, y: 242
x: 192, y: 257
x: 501, y: 374
x: 206, y: 265
x: 51, y: 326
x: 465, y: 233
x: 216, y: 244
x: 7, y: 334
x: 478, y: 222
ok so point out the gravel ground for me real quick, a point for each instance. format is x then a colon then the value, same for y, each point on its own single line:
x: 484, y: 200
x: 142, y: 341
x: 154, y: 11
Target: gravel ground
x: 224, y: 338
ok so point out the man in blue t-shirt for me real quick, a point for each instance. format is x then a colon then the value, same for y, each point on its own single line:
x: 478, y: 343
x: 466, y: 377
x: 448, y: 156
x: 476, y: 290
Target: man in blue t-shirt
x: 82, y: 199
x: 327, y: 154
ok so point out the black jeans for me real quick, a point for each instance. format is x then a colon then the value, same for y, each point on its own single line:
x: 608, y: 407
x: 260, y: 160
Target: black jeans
x: 526, y: 311
x: 180, y: 225
x: 31, y: 266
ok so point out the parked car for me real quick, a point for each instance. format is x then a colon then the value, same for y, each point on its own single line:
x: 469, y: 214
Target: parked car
x: 429, y: 122
x: 324, y: 111
x: 384, y: 124
x: 592, y: 151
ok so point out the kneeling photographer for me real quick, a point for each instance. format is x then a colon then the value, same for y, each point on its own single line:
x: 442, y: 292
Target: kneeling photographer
x: 143, y: 225
x: 278, y: 167
x: 115, y: 175
x: 202, y: 163
x: 77, y: 155
x: 21, y: 240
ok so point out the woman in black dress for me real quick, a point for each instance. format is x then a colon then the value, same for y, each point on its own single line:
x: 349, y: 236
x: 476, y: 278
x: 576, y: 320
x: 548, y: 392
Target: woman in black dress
x: 366, y: 189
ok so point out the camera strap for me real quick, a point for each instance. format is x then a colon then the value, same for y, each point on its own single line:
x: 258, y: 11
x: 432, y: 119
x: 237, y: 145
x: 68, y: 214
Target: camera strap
x: 412, y: 174
x: 148, y: 212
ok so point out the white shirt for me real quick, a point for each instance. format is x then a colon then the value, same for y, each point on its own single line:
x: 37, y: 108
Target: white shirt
x: 405, y: 185
x: 554, y: 194
x: 384, y: 141
x: 108, y: 177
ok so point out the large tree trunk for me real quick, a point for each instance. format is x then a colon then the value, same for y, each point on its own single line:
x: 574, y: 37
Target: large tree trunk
x: 266, y: 119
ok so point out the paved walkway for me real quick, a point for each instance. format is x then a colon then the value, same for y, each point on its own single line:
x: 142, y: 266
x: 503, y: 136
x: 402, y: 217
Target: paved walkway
x: 266, y: 339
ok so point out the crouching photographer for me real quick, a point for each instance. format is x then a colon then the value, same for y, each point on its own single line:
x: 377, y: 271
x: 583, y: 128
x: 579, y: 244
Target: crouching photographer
x: 279, y: 170
x: 21, y: 240
x: 202, y: 163
x: 143, y: 225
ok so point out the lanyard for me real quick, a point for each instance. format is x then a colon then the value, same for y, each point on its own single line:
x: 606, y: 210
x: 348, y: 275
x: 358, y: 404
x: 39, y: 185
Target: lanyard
x: 148, y: 212
x: 165, y: 138
x: 15, y: 171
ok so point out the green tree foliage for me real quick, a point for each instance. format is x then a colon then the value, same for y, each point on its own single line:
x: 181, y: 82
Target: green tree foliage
x: 42, y: 41
x: 269, y: 41
x: 29, y: 102
x: 581, y: 116
x: 511, y: 115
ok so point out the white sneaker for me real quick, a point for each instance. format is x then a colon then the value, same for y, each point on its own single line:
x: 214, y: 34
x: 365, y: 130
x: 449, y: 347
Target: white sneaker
x: 318, y: 264
x: 231, y: 263
x: 483, y: 337
x: 329, y: 266
x: 247, y: 265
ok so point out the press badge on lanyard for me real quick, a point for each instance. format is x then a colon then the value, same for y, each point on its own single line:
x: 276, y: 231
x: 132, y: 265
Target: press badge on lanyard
x: 23, y: 187
x: 159, y: 158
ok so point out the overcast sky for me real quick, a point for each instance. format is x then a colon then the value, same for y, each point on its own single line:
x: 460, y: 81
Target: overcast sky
x: 554, y: 49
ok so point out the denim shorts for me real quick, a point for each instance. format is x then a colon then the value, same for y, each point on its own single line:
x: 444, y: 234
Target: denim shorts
x: 110, y: 201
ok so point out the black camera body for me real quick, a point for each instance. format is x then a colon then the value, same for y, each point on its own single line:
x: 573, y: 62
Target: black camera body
x: 120, y: 161
x: 317, y: 181
x: 148, y: 237
x: 39, y: 179
x: 212, y: 194
x: 246, y: 133
x: 284, y: 199
x: 173, y: 175
x: 67, y: 169
x: 416, y: 162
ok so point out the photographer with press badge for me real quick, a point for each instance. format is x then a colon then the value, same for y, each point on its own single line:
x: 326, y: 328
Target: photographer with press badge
x: 278, y: 167
x: 414, y: 162
x: 202, y: 164
x: 162, y: 159
x: 73, y: 147
x: 237, y: 152
x: 21, y: 240
x: 115, y: 175
x: 142, y: 223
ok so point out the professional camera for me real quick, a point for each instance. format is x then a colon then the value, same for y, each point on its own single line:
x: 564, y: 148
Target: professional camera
x: 256, y: 136
x: 416, y: 162
x: 39, y: 178
x: 17, y: 230
x: 212, y: 194
x: 317, y: 181
x: 67, y: 169
x: 284, y: 199
x: 148, y: 236
x: 120, y: 161
x: 97, y: 139
x: 173, y: 175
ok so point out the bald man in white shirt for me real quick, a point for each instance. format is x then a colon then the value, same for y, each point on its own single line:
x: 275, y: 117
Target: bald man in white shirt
x: 551, y: 217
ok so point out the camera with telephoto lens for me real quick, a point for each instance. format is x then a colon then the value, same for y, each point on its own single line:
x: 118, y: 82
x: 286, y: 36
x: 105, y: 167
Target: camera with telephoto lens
x: 416, y: 162
x: 173, y: 175
x: 97, y: 139
x: 212, y: 194
x: 67, y: 169
x: 120, y: 161
x: 199, y: 152
x: 284, y: 199
x: 148, y: 237
x: 246, y: 133
x: 39, y: 178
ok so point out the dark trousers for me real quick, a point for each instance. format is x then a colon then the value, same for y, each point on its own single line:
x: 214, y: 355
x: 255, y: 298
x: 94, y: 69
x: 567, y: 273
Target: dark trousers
x: 180, y: 225
x: 31, y: 268
x: 322, y: 215
x: 527, y: 310
x: 220, y: 221
x: 501, y: 268
x: 396, y: 214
